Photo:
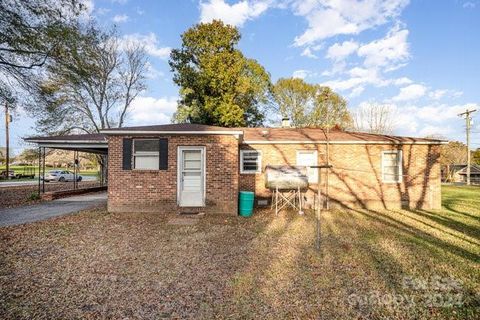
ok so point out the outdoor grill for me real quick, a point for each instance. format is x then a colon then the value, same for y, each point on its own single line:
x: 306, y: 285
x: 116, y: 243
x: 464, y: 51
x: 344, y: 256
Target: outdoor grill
x: 286, y: 184
x: 286, y: 177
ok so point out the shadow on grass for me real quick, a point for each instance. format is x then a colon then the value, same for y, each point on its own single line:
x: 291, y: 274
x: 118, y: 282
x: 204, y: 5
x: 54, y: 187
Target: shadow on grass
x: 417, y: 233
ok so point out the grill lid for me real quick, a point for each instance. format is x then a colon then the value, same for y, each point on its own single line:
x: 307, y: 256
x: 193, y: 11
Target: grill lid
x: 286, y: 177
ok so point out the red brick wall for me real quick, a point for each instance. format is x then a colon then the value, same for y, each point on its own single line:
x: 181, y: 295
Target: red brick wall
x: 355, y: 179
x: 156, y: 190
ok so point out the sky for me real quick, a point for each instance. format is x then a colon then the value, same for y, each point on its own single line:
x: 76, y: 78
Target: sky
x: 418, y: 57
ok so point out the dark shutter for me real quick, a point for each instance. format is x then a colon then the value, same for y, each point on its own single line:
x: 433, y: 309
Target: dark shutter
x: 163, y: 152
x: 127, y: 154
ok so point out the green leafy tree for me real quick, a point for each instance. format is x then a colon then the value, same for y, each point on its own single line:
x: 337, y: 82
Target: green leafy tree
x: 29, y: 155
x: 310, y: 105
x: 294, y: 98
x: 218, y: 84
x: 31, y: 33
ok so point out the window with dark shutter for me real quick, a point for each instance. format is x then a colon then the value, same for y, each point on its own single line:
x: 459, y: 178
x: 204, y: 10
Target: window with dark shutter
x: 163, y: 150
x: 127, y: 154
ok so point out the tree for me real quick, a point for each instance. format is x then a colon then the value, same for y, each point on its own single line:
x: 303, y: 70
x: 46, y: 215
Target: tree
x: 29, y: 155
x: 453, y: 153
x: 476, y: 156
x: 330, y: 109
x: 310, y: 105
x: 374, y: 118
x: 31, y: 32
x: 294, y: 97
x: 218, y: 85
x: 2, y: 155
x: 91, y: 85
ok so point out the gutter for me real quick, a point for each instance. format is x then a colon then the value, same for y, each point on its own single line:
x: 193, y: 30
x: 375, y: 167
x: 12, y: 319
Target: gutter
x: 345, y: 142
x: 138, y: 132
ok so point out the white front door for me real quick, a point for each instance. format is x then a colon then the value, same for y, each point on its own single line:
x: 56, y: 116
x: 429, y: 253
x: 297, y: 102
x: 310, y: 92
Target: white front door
x: 191, y: 176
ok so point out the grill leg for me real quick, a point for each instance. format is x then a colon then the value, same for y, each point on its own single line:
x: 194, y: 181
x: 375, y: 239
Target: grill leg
x: 300, y: 211
x: 276, y: 201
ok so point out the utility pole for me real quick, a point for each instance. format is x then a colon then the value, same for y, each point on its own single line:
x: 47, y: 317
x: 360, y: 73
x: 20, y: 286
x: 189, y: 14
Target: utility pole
x: 468, y: 120
x: 7, y: 141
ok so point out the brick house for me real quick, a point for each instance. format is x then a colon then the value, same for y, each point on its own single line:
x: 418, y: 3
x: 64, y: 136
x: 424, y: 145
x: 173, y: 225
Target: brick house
x: 189, y: 167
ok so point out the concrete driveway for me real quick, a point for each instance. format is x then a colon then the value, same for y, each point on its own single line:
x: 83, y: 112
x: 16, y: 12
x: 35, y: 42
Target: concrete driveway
x: 55, y: 208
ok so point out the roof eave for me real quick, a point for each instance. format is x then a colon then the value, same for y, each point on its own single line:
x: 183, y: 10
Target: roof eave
x: 342, y: 142
x: 148, y: 132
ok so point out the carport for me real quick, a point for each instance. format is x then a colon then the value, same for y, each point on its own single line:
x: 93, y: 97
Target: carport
x: 88, y: 143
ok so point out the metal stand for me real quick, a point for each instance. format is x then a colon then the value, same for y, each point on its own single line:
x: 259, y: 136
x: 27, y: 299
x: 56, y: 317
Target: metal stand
x: 287, y: 198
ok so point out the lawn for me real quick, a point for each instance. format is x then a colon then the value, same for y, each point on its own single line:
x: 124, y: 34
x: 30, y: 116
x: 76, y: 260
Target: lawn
x: 403, y: 265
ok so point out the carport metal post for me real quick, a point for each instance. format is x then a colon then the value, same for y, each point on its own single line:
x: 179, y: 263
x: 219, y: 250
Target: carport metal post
x: 43, y: 171
x: 74, y: 170
x: 39, y: 167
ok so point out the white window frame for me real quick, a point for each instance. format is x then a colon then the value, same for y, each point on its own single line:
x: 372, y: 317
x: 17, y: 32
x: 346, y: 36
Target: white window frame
x: 313, y: 179
x: 152, y: 154
x: 259, y: 162
x: 400, y: 166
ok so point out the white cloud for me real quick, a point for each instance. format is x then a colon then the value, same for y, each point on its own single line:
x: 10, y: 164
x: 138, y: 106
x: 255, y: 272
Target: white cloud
x: 307, y: 52
x: 379, y: 56
x: 469, y: 5
x: 301, y: 74
x: 341, y: 51
x: 328, y: 18
x: 384, y: 52
x: 411, y: 92
x: 150, y: 43
x: 236, y: 14
x: 427, y: 120
x: 402, y: 81
x: 356, y: 92
x: 443, y: 93
x: 150, y: 110
x: 102, y: 11
x: 120, y: 18
x: 358, y: 77
x: 152, y: 72
x: 441, y: 112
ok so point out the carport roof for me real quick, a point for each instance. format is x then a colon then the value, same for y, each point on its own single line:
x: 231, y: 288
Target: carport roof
x: 92, y: 143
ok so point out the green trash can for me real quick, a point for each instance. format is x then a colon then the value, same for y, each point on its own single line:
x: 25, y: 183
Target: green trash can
x: 246, y: 203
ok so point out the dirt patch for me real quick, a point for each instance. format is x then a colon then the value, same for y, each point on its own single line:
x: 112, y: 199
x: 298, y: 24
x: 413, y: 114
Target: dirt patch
x: 22, y: 195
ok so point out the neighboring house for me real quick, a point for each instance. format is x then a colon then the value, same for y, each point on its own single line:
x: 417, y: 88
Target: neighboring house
x: 474, y: 174
x: 457, y: 173
x: 188, y: 167
x: 450, y: 172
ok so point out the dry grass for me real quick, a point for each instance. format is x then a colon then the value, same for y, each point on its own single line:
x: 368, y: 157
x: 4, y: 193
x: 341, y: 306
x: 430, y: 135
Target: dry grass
x: 100, y: 265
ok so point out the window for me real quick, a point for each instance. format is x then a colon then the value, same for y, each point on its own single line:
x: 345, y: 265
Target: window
x: 392, y: 166
x: 146, y: 154
x: 309, y: 158
x: 250, y: 161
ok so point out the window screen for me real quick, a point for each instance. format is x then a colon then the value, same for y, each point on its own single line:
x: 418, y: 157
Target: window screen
x: 308, y: 158
x: 250, y: 161
x: 392, y: 166
x: 146, y: 154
